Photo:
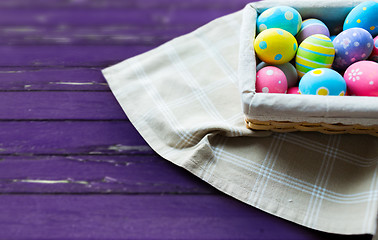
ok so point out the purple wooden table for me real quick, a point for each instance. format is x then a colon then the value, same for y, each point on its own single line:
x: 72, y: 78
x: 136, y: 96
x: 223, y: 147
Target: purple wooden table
x: 72, y: 166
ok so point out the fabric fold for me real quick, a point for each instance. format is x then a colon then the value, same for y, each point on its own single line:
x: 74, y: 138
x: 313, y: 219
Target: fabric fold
x: 184, y: 100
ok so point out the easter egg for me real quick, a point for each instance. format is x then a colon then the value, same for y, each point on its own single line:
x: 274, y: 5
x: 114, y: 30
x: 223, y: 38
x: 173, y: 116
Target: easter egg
x: 374, y: 53
x: 293, y: 90
x: 275, y: 46
x: 362, y: 78
x: 316, y: 51
x: 271, y: 80
x: 310, y: 27
x: 283, y: 17
x: 352, y: 45
x: 288, y: 69
x: 322, y: 81
x: 365, y: 16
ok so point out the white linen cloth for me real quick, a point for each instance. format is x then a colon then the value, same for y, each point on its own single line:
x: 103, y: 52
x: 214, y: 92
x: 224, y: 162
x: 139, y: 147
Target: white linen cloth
x: 183, y: 98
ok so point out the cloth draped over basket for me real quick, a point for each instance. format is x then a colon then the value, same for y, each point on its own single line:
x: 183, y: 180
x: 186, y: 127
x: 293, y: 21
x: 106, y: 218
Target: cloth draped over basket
x: 183, y: 97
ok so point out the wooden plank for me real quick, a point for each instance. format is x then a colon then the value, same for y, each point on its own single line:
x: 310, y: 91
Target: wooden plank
x: 70, y: 137
x: 122, y: 34
x: 67, y: 56
x: 161, y: 16
x: 106, y: 4
x: 143, y: 217
x: 60, y: 105
x: 114, y: 23
x: 64, y: 79
x: 126, y: 174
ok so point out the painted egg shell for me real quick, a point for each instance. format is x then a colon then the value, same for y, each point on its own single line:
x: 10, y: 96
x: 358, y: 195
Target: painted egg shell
x: 332, y: 37
x: 362, y: 78
x: 316, y: 51
x: 322, y: 81
x: 271, y: 80
x: 374, y: 53
x: 288, y: 69
x: 352, y: 45
x: 275, y: 46
x: 365, y: 16
x: 310, y: 27
x: 283, y: 17
x: 293, y: 90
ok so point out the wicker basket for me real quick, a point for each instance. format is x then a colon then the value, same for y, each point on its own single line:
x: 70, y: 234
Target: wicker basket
x: 277, y: 126
x: 292, y: 112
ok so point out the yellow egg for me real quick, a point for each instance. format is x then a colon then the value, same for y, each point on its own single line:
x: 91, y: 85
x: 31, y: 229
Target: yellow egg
x: 275, y: 46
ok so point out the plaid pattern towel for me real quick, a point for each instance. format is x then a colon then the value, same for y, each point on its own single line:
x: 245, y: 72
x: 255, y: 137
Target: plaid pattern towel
x: 183, y: 98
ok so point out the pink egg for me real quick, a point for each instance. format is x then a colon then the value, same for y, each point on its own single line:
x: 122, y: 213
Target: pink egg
x: 293, y: 90
x: 271, y: 80
x: 374, y: 54
x: 362, y: 78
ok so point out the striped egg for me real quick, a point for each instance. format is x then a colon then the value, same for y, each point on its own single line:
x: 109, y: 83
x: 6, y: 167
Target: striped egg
x: 316, y: 51
x: 310, y: 27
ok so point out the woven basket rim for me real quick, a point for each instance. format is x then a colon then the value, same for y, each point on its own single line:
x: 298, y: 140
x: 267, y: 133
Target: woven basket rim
x: 287, y: 126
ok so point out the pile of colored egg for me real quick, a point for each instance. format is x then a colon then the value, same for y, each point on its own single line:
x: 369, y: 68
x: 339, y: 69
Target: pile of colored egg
x: 299, y: 57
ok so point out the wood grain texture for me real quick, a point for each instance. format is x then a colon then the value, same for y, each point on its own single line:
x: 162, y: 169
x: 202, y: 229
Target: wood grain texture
x: 111, y: 174
x: 52, y: 79
x: 71, y: 164
x: 142, y: 217
x: 70, y: 137
x: 67, y: 56
x: 60, y: 105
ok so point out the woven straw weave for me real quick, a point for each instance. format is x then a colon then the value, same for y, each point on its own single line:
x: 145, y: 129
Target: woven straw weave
x: 285, y: 126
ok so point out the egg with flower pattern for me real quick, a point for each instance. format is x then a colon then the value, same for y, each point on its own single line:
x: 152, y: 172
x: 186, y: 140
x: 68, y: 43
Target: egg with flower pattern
x: 352, y: 45
x: 362, y: 78
x: 316, y: 51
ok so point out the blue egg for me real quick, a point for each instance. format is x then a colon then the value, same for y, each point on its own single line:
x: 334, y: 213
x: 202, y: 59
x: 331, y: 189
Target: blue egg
x: 322, y: 81
x: 365, y: 16
x: 283, y: 17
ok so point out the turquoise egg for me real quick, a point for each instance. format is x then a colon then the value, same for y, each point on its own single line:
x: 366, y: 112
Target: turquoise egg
x: 365, y: 16
x: 322, y: 81
x: 286, y: 18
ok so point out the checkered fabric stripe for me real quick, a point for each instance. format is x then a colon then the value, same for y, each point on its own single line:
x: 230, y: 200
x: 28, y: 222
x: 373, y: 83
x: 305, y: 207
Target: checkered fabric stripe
x: 183, y: 99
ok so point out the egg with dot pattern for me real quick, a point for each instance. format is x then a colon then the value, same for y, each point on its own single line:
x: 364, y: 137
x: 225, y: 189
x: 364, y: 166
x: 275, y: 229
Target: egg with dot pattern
x: 365, y: 16
x: 288, y: 69
x: 324, y: 82
x: 316, y: 51
x: 275, y: 46
x: 283, y: 17
x: 362, y: 78
x: 352, y: 45
x: 271, y: 80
